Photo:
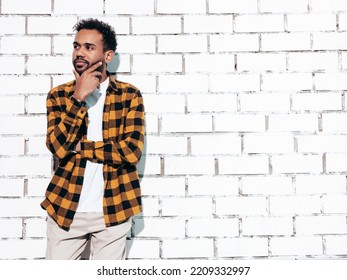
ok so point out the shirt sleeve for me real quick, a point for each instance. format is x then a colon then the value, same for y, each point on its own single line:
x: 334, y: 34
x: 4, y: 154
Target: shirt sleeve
x: 127, y: 150
x: 63, y: 125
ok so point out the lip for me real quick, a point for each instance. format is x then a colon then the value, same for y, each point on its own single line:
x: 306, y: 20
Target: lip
x: 80, y: 62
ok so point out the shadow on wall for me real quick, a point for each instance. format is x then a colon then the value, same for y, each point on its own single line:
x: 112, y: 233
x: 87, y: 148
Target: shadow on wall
x: 113, y: 66
x: 140, y: 225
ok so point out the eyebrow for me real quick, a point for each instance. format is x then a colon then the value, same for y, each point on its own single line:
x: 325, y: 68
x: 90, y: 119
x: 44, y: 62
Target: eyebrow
x: 85, y: 44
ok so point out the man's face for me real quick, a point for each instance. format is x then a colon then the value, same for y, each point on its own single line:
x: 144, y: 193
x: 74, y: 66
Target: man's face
x: 88, y: 50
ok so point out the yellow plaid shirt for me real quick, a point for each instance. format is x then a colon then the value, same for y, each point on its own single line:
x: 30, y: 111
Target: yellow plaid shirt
x: 119, y: 152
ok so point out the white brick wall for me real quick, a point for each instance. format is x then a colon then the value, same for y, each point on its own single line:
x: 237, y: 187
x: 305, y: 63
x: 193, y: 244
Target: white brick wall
x: 245, y: 123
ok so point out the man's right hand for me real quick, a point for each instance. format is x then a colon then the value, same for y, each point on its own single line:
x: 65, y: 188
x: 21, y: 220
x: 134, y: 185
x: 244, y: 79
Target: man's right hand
x: 87, y: 82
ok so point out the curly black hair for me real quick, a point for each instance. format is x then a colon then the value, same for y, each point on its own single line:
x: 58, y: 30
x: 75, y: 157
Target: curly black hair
x: 107, y: 31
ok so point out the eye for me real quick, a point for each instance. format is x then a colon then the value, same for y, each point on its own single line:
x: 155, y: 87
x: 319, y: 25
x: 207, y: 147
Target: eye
x: 76, y: 46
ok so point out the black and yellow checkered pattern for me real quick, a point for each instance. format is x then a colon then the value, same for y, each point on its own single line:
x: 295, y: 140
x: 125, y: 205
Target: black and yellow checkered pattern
x: 119, y: 152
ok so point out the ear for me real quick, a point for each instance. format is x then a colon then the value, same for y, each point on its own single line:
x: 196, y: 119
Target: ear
x: 109, y: 56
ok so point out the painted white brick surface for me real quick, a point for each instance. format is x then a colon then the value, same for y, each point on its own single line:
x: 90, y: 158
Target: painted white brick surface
x: 245, y: 153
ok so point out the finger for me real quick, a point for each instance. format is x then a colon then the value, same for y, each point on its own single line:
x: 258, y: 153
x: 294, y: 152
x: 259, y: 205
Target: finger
x: 75, y: 74
x: 94, y: 67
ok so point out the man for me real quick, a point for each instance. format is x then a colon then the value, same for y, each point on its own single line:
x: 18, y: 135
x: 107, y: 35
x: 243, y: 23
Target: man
x: 95, y: 127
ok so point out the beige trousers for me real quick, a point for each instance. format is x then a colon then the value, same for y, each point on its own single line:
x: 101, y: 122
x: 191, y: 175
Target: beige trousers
x: 106, y: 243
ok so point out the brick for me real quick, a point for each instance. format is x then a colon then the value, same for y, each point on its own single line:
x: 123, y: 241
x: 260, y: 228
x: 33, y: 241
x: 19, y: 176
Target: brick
x: 25, y: 45
x: 283, y: 6
x: 156, y: 25
x: 23, y: 125
x: 36, y: 104
x: 268, y: 143
x: 11, y: 105
x: 35, y: 227
x: 24, y: 84
x: 259, y: 23
x: 321, y: 225
x: 136, y: 44
x: 215, y: 144
x: 11, y: 187
x: 342, y: 22
x: 78, y: 7
x: 317, y: 101
x: 157, y: 63
x: 37, y: 146
x: 324, y: 82
x: 181, y: 7
x: 120, y: 7
x: 120, y: 64
x: 209, y: 63
x: 311, y: 184
x: 12, y: 25
x: 209, y: 227
x: 149, y: 165
x: 11, y: 228
x: 207, y: 24
x: 168, y: 103
x: 243, y: 165
x: 26, y: 7
x: 49, y: 65
x: 267, y: 226
x: 336, y: 162
x: 183, y: 83
x: 233, y: 7
x: 322, y: 143
x: 293, y: 163
x: 51, y: 25
x: 287, y: 81
x: 212, y: 103
x: 261, y: 62
x: 37, y: 186
x: 188, y: 248
x: 21, y: 207
x: 234, y: 42
x: 334, y: 122
x: 166, y: 145
x: 242, y: 247
x: 186, y: 123
x: 331, y: 6
x: 63, y: 45
x: 25, y: 166
x: 293, y: 122
x: 334, y: 203
x: 159, y: 227
x: 140, y: 248
x: 145, y: 83
x: 188, y: 206
x: 329, y: 41
x: 336, y: 245
x: 260, y: 185
x: 285, y: 41
x: 240, y: 123
x: 312, y: 61
x: 163, y: 186
x: 294, y: 205
x: 264, y: 102
x: 311, y: 22
x: 182, y: 43
x: 120, y: 24
x: 11, y: 146
x: 234, y: 82
x: 22, y: 249
x: 151, y: 207
x: 151, y: 123
x: 189, y: 165
x: 14, y: 65
x: 296, y: 246
x: 213, y: 185
x: 241, y: 205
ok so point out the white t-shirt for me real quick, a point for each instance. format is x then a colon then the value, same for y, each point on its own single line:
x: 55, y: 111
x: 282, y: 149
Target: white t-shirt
x: 93, y: 182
